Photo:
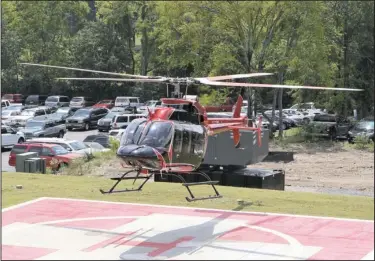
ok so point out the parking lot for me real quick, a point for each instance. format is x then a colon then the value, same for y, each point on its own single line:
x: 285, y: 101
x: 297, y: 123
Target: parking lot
x: 72, y: 135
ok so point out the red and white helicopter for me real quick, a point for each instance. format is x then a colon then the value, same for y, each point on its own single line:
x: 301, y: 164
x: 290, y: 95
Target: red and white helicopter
x: 173, y: 139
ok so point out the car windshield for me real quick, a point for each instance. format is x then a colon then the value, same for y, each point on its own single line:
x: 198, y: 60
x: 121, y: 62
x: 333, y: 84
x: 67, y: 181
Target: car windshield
x: 158, y: 134
x: 77, y: 145
x: 364, y: 125
x: 77, y: 99
x: 63, y: 110
x: 110, y: 115
x: 151, y: 103
x: 27, y: 113
x: 59, y: 150
x: 35, y: 124
x: 80, y: 113
x: 52, y: 99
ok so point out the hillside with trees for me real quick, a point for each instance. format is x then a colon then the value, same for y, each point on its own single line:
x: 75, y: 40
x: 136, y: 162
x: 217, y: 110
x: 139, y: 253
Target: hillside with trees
x: 305, y: 43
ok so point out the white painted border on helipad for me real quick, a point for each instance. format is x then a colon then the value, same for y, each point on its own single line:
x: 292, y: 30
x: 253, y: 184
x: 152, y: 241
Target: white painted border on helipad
x: 180, y: 207
x: 23, y: 204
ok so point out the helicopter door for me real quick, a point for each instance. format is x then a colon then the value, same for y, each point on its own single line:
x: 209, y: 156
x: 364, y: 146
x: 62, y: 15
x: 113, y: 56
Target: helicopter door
x: 177, y: 143
x: 186, y: 140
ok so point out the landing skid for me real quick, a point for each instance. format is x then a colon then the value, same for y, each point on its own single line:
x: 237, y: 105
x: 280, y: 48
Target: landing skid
x: 178, y: 175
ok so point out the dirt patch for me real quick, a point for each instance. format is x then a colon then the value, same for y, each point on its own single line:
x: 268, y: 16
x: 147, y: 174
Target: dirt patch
x: 332, y: 169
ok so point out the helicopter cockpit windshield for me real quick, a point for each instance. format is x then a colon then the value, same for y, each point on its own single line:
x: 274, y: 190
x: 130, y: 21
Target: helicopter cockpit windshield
x: 133, y: 132
x: 157, y: 135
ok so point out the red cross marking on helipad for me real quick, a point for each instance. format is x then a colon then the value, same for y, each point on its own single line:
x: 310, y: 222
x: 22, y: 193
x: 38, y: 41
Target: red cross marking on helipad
x: 50, y: 228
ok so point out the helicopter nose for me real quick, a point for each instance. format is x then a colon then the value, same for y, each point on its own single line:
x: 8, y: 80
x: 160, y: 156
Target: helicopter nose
x: 143, y: 155
x: 136, y: 151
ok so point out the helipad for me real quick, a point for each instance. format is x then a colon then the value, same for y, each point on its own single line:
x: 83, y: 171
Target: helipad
x: 52, y: 228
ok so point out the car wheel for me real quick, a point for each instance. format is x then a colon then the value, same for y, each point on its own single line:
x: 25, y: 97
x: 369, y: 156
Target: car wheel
x: 87, y: 127
x: 61, y: 134
x: 21, y: 140
x: 306, y: 120
x: 70, y: 129
x: 283, y: 126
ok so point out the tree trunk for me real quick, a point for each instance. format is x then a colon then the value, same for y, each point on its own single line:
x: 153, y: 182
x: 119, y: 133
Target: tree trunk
x: 280, y: 106
x: 346, y: 62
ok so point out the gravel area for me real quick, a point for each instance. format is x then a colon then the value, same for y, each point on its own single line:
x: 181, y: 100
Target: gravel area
x: 333, y: 170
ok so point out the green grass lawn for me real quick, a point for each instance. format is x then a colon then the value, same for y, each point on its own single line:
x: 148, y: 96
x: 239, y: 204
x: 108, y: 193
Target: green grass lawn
x: 44, y: 185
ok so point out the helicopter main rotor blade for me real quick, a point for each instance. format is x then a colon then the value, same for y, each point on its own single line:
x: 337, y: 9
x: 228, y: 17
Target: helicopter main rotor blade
x: 87, y: 70
x: 113, y: 79
x: 278, y: 86
x: 234, y: 76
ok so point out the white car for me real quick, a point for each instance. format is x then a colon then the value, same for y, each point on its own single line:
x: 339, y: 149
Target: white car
x: 6, y: 114
x: 96, y: 147
x: 10, y: 136
x: 117, y: 133
x: 70, y: 145
x: 20, y: 120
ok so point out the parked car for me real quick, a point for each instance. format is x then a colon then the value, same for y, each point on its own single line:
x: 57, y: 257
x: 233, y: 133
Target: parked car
x: 5, y: 104
x: 6, y: 114
x: 85, y: 118
x: 104, y: 124
x: 70, y: 145
x: 14, y: 107
x: 95, y: 147
x: 57, y: 101
x: 125, y: 119
x: 62, y: 114
x: 20, y: 120
x: 14, y: 98
x: 43, y: 128
x: 10, y: 136
x: 108, y: 104
x: 46, y: 151
x: 330, y: 125
x: 35, y: 100
x: 363, y: 128
x: 81, y: 101
x: 296, y: 116
x: 117, y: 133
x: 122, y: 101
x: 99, y: 138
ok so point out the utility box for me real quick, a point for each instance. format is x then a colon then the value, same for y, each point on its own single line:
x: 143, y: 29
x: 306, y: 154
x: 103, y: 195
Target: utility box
x: 31, y: 165
x: 20, y: 160
x: 43, y: 165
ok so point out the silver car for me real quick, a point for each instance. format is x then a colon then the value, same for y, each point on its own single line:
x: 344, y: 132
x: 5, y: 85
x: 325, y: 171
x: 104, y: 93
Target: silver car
x: 57, y: 101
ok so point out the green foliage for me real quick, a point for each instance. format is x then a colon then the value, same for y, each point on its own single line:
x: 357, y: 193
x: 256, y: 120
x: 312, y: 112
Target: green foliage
x: 115, y: 144
x: 363, y: 143
x: 310, y: 43
x: 215, y: 97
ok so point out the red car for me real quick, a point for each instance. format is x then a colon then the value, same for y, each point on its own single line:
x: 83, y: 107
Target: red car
x: 14, y: 98
x: 109, y: 104
x: 46, y: 151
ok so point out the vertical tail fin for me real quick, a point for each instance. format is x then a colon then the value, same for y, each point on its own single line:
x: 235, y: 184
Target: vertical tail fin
x: 237, y: 110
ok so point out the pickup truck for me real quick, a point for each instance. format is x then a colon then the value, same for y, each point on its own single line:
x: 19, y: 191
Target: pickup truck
x: 43, y: 128
x: 329, y: 125
x: 4, y: 104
